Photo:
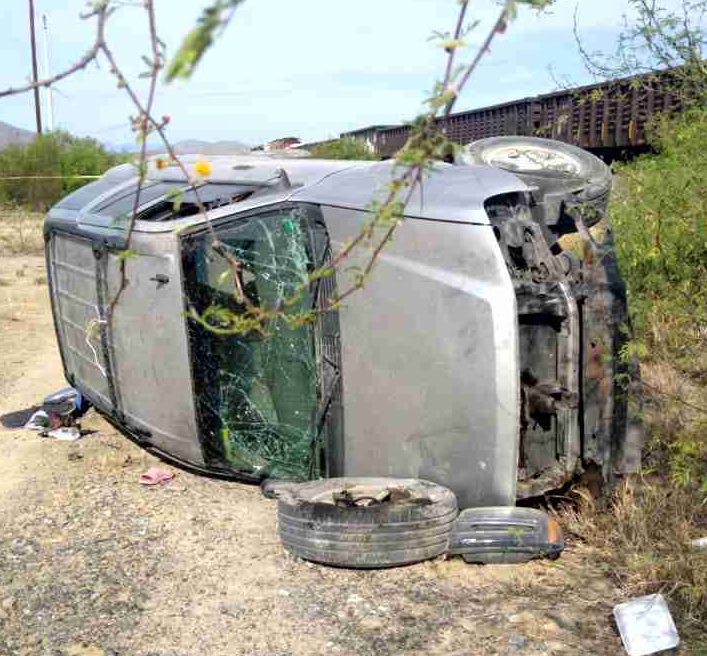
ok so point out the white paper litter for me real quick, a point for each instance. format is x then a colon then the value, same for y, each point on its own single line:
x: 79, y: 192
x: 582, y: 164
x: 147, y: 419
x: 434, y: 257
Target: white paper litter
x: 65, y: 433
x: 646, y: 626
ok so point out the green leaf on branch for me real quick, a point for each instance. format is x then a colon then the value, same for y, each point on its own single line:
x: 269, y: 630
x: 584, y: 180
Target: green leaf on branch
x: 450, y: 44
x: 176, y: 195
x: 125, y: 255
x: 213, y: 18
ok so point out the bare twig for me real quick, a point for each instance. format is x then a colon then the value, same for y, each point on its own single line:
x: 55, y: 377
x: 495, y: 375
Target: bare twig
x: 155, y: 67
x: 451, y: 51
x: 423, y: 146
x: 499, y: 27
x: 101, y: 12
x: 675, y: 397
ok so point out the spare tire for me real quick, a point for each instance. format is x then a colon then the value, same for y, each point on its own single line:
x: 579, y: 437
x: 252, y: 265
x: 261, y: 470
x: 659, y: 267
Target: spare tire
x: 562, y: 176
x: 366, y: 522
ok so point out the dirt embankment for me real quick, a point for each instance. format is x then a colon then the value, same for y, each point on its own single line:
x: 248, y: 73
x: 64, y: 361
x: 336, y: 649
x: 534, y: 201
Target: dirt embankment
x: 91, y: 563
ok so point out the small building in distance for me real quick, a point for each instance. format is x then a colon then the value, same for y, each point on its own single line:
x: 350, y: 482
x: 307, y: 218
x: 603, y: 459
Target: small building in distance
x: 284, y: 143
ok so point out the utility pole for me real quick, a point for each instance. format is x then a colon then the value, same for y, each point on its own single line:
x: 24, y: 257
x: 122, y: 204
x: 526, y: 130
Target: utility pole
x: 47, y: 74
x: 37, y: 110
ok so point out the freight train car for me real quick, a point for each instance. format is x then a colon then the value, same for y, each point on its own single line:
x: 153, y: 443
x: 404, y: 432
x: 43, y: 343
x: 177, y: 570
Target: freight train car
x: 605, y: 118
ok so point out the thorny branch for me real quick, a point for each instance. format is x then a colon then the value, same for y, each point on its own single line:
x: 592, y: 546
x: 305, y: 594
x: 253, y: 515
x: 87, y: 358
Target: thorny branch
x: 659, y: 40
x: 144, y: 124
x: 101, y: 11
x: 424, y: 146
x: 155, y: 66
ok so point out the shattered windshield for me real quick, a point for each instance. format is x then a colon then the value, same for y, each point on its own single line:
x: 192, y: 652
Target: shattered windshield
x: 258, y: 395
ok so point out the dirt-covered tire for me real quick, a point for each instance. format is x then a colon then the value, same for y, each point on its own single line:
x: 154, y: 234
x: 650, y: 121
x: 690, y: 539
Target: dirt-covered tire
x: 409, y: 520
x: 563, y: 174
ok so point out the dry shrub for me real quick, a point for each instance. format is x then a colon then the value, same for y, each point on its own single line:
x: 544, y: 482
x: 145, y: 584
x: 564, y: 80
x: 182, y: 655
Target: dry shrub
x: 675, y: 417
x: 644, y: 537
x: 658, y: 211
x: 20, y: 232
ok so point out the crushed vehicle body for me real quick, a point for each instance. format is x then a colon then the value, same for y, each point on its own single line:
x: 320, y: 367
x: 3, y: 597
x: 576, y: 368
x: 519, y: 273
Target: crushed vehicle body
x: 476, y: 355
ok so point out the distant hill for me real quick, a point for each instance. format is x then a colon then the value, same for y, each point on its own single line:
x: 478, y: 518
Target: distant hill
x: 9, y: 135
x: 194, y: 146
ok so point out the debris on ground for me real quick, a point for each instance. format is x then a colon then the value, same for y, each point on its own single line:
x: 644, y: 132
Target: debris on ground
x: 39, y: 421
x: 65, y: 402
x: 646, y: 626
x: 64, y: 433
x: 17, y: 418
x: 366, y: 523
x: 156, y: 476
x: 58, y: 414
x: 506, y: 535
x: 371, y: 523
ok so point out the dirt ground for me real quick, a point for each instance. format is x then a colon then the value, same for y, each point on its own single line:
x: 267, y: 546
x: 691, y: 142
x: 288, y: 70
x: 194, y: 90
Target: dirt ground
x: 92, y: 563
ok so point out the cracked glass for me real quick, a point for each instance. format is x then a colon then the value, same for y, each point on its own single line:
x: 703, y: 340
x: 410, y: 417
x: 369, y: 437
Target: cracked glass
x: 258, y: 397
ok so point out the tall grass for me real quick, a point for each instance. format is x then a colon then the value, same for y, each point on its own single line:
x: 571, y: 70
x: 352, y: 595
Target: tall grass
x: 644, y: 538
x: 658, y: 211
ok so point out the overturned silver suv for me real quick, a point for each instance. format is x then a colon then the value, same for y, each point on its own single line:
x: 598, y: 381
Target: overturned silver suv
x: 480, y: 355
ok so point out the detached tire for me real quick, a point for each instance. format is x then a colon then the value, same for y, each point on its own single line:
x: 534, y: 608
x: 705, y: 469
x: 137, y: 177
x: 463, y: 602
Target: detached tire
x: 408, y: 520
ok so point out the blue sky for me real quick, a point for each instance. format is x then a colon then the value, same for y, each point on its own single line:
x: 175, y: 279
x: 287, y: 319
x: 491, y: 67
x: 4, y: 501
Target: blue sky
x: 311, y: 68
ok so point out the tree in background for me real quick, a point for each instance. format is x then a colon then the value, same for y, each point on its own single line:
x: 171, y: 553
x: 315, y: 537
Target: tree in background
x: 49, y: 167
x: 657, y: 39
x: 344, y: 148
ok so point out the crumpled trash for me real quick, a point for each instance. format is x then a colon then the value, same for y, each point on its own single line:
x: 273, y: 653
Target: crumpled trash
x: 42, y: 422
x: 699, y: 543
x: 58, y: 414
x: 65, y: 402
x: 64, y: 433
x: 646, y: 626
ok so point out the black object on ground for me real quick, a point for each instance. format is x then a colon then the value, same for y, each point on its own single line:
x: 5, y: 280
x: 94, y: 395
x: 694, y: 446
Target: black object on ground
x: 366, y: 522
x: 506, y: 535
x: 18, y: 418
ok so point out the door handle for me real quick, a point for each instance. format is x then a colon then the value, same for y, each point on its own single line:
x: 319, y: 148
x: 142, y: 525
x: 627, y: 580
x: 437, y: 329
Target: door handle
x: 161, y: 279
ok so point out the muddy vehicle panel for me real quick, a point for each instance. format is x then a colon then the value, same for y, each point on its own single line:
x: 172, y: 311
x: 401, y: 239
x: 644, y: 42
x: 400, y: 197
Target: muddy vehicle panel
x: 467, y: 358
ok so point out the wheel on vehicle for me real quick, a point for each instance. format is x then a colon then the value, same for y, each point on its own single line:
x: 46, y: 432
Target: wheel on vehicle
x: 561, y: 176
x: 366, y: 522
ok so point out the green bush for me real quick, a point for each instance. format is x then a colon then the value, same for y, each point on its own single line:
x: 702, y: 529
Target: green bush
x: 345, y: 148
x: 659, y: 213
x: 55, y: 157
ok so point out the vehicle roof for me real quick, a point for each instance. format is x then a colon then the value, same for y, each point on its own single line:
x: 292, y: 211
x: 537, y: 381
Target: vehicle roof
x: 448, y: 192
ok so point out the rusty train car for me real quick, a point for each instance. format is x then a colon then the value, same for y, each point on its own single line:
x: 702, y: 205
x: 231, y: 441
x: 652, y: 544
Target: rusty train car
x: 602, y: 118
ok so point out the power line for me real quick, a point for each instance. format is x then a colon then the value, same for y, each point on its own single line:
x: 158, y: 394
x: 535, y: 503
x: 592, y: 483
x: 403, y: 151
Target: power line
x: 78, y: 176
